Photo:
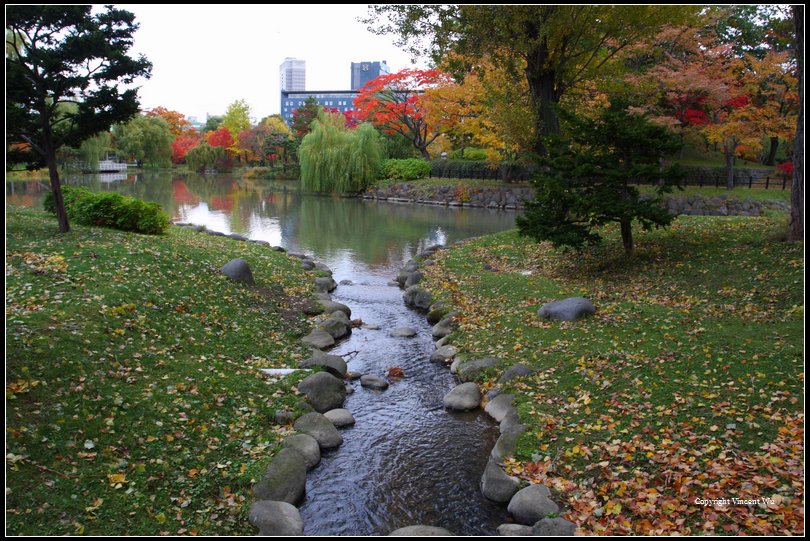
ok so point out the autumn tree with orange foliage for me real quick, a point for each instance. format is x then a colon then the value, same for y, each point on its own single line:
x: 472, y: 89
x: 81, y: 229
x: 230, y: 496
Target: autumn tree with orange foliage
x: 397, y: 103
x: 178, y: 123
x: 489, y: 108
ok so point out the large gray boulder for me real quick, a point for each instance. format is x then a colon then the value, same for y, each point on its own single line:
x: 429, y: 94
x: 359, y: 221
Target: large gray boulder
x: 515, y: 371
x: 336, y: 325
x: 318, y: 339
x: 567, y: 309
x: 417, y: 297
x: 340, y: 417
x: 420, y: 530
x: 323, y: 391
x: 498, y: 407
x: 554, y: 527
x: 532, y: 504
x: 325, y: 284
x: 496, y: 485
x: 410, y: 266
x: 437, y: 312
x: 320, y: 428
x: 372, y: 381
x: 445, y: 327
x: 239, y: 270
x: 285, y: 479
x: 334, y: 364
x: 507, y: 442
x: 514, y: 529
x: 444, y: 354
x: 307, y: 446
x: 276, y: 518
x: 470, y: 370
x: 413, y: 279
x: 402, y: 277
x: 330, y: 306
x: 510, y: 420
x: 404, y: 332
x: 464, y: 397
x: 321, y: 267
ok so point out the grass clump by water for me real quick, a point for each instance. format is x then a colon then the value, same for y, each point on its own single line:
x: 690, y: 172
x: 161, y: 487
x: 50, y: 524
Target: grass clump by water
x: 134, y: 404
x: 686, y: 385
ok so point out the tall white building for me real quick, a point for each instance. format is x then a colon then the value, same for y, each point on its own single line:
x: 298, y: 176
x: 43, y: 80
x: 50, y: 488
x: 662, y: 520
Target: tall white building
x: 293, y: 74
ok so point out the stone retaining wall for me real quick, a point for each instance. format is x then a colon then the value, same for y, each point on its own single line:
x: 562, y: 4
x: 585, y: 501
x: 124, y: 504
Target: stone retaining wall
x: 512, y: 198
x: 453, y: 196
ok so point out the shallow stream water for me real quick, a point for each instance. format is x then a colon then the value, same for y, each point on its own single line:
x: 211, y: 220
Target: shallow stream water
x: 406, y: 460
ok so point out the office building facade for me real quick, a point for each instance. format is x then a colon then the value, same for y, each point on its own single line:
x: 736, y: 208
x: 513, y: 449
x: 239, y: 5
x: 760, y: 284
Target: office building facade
x: 341, y: 100
x: 363, y: 72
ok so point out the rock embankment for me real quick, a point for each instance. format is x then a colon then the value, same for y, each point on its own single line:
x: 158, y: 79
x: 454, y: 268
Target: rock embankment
x: 513, y: 198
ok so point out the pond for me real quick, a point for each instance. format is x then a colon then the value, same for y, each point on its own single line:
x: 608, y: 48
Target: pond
x: 406, y: 460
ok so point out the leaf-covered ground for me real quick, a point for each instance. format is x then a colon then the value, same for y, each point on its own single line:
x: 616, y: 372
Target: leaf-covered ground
x: 133, y: 401
x: 685, y: 388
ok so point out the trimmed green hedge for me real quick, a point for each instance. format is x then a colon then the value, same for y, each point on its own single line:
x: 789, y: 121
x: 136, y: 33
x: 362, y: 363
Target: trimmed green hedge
x: 113, y: 210
x: 472, y: 154
x: 406, y: 169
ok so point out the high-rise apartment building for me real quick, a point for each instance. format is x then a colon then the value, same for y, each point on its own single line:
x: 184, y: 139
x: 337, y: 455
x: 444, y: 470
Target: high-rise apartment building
x: 363, y: 72
x: 293, y: 74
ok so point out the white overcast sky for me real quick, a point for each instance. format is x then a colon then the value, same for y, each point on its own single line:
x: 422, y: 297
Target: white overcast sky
x: 205, y: 56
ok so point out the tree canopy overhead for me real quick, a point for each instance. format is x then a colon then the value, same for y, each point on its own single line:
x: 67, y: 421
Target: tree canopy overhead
x: 66, y: 69
x: 556, y: 47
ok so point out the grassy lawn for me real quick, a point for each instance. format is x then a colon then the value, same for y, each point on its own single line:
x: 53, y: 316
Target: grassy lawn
x: 687, y: 383
x: 133, y: 401
x: 741, y: 193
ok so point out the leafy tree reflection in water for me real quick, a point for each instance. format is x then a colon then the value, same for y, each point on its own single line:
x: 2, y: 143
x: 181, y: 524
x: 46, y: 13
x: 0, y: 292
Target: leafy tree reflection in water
x: 329, y: 226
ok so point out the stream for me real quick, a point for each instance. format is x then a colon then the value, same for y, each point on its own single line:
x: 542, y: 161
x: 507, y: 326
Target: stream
x: 406, y: 460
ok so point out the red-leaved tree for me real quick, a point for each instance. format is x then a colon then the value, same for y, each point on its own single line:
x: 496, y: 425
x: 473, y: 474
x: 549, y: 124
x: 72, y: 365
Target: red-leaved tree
x: 183, y: 143
x: 219, y: 138
x: 396, y: 103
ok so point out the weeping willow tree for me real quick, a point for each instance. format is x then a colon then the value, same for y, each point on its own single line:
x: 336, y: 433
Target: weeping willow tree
x: 93, y: 149
x: 204, y: 156
x: 337, y: 159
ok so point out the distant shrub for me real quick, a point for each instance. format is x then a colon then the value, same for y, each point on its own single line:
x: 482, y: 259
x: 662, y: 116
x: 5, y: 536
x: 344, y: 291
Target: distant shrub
x: 473, y: 154
x: 407, y: 169
x: 111, y: 210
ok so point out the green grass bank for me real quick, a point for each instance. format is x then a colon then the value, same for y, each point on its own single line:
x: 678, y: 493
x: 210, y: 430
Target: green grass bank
x: 134, y: 405
x: 686, y: 386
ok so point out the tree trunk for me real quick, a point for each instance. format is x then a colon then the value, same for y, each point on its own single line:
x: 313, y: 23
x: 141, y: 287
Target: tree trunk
x: 546, y: 121
x: 796, y: 227
x: 627, y: 236
x: 731, y: 154
x: 542, y: 85
x: 771, y: 158
x: 49, y: 150
x: 56, y: 188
